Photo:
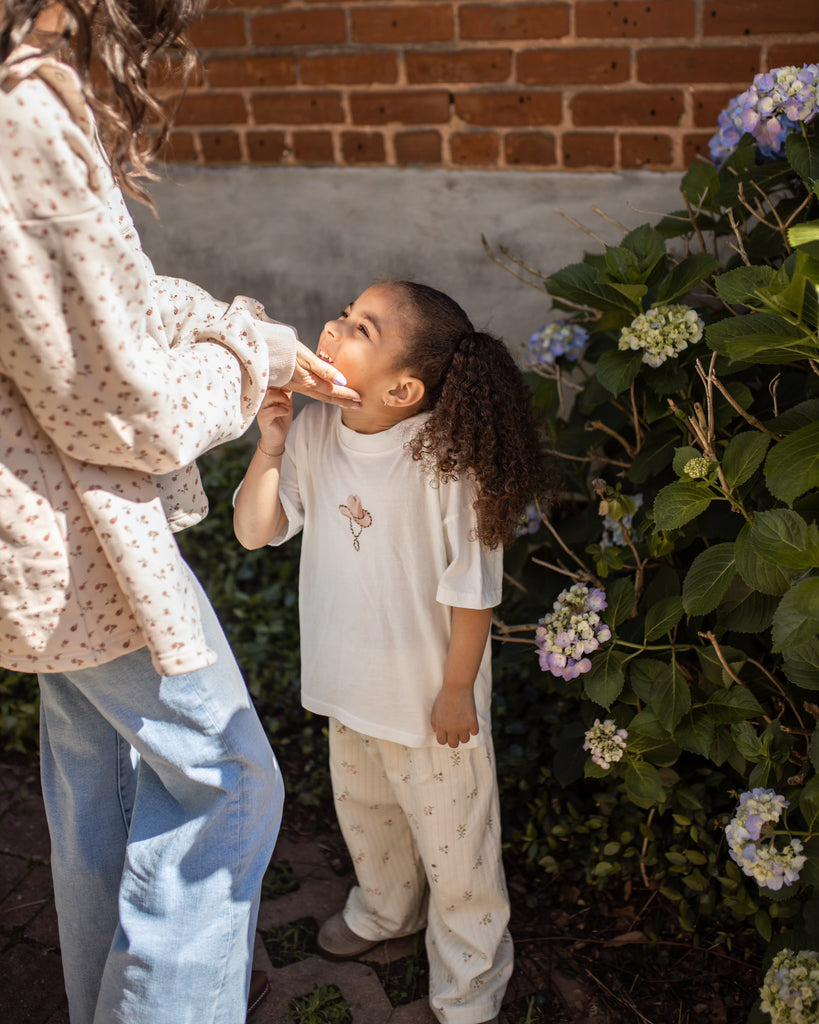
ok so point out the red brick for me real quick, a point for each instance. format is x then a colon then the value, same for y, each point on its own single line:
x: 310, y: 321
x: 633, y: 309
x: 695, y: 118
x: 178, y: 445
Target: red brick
x: 514, y: 21
x: 299, y: 28
x: 530, y: 148
x: 695, y: 147
x: 363, y: 147
x: 180, y: 147
x: 588, y: 149
x: 509, y: 108
x: 297, y: 108
x: 418, y: 148
x: 647, y: 107
x: 792, y: 54
x: 759, y: 17
x: 687, y: 64
x: 212, y: 108
x: 218, y: 30
x: 463, y: 66
x: 422, y: 24
x: 708, y: 105
x: 349, y: 69
x: 313, y: 147
x: 403, y: 107
x: 241, y: 72
x: 588, y: 66
x: 635, y: 19
x: 266, y: 147
x: 645, y: 150
x: 220, y: 147
x: 246, y: 3
x: 476, y: 149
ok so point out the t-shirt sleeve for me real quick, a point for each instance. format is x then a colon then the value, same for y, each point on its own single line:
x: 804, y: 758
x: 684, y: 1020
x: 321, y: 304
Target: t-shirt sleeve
x: 474, y: 573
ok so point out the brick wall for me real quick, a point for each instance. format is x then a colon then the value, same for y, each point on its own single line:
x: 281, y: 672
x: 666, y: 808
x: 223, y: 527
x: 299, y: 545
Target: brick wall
x: 560, y: 84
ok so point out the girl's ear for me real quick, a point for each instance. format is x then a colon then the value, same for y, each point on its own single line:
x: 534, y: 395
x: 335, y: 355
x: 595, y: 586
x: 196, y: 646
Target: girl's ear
x: 408, y: 392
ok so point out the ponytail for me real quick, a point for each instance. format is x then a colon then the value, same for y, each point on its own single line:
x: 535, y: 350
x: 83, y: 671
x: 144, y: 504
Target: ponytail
x: 481, y: 421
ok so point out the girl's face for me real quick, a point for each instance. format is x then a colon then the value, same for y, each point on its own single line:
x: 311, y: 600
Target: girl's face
x: 366, y: 343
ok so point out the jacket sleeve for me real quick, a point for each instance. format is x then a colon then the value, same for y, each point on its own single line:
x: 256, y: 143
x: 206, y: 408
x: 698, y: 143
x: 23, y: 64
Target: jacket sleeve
x: 119, y: 367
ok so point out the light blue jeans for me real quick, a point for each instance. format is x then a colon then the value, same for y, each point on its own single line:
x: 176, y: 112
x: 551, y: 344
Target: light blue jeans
x: 164, y: 801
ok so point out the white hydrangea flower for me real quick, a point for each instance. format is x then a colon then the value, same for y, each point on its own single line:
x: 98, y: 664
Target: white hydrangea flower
x: 572, y: 630
x: 613, y: 528
x: 790, y: 991
x: 752, y: 841
x: 662, y: 332
x: 606, y: 742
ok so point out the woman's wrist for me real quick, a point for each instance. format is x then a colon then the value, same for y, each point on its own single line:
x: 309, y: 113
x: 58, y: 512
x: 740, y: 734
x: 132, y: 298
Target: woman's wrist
x: 270, y: 454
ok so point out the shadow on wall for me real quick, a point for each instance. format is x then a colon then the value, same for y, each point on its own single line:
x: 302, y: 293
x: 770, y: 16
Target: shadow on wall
x: 305, y: 241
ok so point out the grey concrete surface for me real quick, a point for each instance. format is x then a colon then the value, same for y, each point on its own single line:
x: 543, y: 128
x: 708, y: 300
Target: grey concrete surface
x: 305, y: 241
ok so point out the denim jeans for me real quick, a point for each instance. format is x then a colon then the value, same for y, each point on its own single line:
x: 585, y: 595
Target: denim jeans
x: 164, y: 801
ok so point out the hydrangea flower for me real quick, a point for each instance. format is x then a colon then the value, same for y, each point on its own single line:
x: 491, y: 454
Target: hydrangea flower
x: 697, y: 469
x: 790, y: 991
x: 751, y: 840
x: 613, y: 529
x: 557, y: 339
x: 770, y: 109
x: 571, y: 631
x: 662, y: 332
x: 606, y: 742
x: 530, y: 521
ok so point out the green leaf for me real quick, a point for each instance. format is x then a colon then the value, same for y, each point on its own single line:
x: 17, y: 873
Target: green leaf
x: 760, y: 338
x: 746, y: 610
x: 622, y: 264
x: 670, y: 697
x: 678, y: 503
x: 647, y: 245
x: 782, y: 537
x: 604, y: 681
x: 734, y: 705
x: 802, y: 665
x: 741, y: 287
x: 708, y: 579
x: 747, y: 740
x: 809, y: 802
x: 682, y: 456
x: 695, y: 732
x: 790, y: 627
x: 806, y: 598
x: 656, y: 454
x: 814, y: 749
x: 642, y: 674
x: 743, y: 456
x: 803, y: 155
x: 620, y: 602
x: 792, y: 466
x: 642, y: 782
x: 758, y: 573
x: 617, y: 370
x: 701, y: 186
x: 802, y: 234
x: 663, y: 617
x: 686, y: 276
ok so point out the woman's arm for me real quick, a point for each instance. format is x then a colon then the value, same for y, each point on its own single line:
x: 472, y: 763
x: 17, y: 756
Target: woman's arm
x: 453, y: 716
x: 258, y: 515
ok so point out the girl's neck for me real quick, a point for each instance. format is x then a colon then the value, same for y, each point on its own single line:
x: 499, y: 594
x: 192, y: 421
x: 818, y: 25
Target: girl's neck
x: 374, y: 421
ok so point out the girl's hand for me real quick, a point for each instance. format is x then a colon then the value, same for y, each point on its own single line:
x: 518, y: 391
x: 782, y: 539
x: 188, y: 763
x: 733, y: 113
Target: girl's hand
x: 317, y: 379
x: 275, y: 416
x: 453, y: 716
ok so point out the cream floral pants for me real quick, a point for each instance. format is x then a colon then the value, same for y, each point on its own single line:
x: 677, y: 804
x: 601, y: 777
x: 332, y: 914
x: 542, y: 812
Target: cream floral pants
x: 423, y: 830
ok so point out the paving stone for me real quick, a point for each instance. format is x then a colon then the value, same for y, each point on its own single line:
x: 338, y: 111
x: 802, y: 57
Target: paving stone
x: 12, y: 871
x: 37, y: 990
x: 23, y: 829
x: 28, y: 899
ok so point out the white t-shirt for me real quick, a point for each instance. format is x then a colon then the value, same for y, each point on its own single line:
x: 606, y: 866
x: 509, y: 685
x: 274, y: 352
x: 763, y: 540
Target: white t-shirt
x: 387, y: 551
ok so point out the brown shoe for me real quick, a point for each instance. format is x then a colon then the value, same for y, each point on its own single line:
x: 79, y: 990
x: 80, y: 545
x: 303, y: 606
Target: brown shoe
x: 338, y: 941
x: 259, y: 991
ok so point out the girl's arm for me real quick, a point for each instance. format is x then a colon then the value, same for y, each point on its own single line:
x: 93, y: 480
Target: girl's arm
x: 258, y: 515
x: 453, y: 716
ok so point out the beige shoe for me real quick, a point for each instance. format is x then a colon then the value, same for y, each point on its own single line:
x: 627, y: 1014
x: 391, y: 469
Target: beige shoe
x: 336, y: 940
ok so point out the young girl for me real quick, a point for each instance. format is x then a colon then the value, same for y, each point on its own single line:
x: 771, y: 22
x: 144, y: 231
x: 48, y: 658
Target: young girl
x: 405, y: 504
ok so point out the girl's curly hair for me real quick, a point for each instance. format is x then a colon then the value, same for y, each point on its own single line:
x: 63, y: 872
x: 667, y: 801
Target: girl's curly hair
x: 481, y: 420
x: 125, y: 40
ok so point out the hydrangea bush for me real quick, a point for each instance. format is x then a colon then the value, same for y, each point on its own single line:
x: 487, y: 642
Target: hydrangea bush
x: 681, y: 561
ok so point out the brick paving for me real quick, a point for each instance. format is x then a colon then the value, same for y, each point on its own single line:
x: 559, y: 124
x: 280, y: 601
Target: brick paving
x: 32, y: 992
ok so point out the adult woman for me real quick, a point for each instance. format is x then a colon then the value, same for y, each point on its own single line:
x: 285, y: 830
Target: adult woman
x: 112, y: 382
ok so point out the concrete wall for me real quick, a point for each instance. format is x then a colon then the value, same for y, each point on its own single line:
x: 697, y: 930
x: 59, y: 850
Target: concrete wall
x: 305, y: 241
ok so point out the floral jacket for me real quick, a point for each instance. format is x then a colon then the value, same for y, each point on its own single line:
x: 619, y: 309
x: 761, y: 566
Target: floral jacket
x: 112, y: 382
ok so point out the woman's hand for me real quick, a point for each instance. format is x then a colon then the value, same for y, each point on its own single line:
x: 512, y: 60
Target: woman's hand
x: 317, y: 379
x: 274, y: 417
x: 453, y: 716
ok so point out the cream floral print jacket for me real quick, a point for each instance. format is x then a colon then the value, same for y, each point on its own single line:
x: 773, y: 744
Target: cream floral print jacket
x: 112, y: 382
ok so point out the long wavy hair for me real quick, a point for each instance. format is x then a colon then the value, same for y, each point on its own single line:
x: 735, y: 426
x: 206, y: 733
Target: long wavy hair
x: 482, y: 420
x: 124, y: 40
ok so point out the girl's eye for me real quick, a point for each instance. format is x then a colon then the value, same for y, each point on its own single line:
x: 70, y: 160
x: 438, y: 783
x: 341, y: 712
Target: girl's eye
x: 363, y: 330
x: 343, y: 315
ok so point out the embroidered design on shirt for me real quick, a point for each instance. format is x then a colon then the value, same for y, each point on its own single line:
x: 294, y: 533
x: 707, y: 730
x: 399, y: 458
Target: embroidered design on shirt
x: 359, y: 517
